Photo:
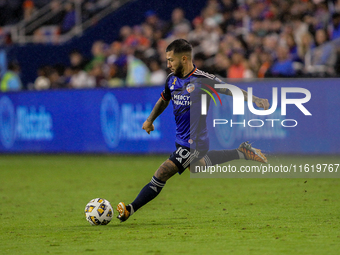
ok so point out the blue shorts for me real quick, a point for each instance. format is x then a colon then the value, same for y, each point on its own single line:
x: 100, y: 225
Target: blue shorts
x: 183, y: 157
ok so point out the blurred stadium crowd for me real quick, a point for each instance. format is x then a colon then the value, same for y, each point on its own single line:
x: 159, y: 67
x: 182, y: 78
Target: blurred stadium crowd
x: 237, y: 39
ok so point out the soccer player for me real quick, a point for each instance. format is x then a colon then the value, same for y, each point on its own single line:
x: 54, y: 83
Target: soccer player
x: 192, y: 141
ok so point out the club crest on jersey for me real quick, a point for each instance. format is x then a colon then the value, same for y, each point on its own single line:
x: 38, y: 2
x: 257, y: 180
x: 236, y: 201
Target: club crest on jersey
x: 190, y: 87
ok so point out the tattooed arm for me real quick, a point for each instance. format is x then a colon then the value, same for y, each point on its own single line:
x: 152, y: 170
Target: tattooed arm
x: 156, y: 111
x: 260, y: 102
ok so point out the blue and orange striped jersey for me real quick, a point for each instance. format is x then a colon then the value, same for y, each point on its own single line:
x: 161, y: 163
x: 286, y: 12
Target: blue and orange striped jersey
x: 185, y: 93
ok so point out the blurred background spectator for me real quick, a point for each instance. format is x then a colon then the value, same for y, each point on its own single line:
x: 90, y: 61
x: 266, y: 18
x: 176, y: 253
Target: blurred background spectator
x: 42, y: 82
x: 80, y: 79
x: 239, y: 67
x: 158, y: 75
x: 283, y: 66
x: 10, y: 81
x: 69, y: 19
x: 28, y: 9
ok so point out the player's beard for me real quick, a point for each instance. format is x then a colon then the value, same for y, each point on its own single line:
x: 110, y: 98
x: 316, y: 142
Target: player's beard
x: 179, y: 70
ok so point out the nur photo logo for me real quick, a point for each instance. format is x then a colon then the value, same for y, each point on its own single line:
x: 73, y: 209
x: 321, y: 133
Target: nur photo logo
x: 238, y: 105
x: 204, y: 104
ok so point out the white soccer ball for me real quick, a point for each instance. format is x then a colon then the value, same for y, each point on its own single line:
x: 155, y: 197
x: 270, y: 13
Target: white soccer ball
x: 98, y: 212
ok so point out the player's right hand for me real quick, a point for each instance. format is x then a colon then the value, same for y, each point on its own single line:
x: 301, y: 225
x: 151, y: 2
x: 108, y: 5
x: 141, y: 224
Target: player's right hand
x: 148, y: 126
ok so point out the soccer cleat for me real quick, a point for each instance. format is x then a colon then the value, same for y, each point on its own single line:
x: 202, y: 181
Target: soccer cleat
x: 123, y: 213
x: 251, y: 153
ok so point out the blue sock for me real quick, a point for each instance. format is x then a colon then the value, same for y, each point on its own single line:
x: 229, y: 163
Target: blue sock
x: 149, y: 192
x: 218, y: 157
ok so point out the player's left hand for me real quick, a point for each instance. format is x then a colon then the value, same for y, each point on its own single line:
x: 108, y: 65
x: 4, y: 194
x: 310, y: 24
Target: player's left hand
x: 262, y: 103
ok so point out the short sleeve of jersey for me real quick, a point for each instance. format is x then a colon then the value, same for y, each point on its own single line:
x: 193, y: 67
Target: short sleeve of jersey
x: 207, y: 80
x: 215, y: 80
x: 166, y: 93
x: 210, y: 81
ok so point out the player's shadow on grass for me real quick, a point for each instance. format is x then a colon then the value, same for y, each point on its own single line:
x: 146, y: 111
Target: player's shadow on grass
x: 128, y: 224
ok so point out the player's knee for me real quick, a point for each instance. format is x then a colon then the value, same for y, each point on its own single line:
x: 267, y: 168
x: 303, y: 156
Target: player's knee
x: 191, y: 169
x: 193, y: 166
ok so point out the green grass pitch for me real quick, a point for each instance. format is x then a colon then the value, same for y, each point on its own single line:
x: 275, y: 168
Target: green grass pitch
x: 43, y: 200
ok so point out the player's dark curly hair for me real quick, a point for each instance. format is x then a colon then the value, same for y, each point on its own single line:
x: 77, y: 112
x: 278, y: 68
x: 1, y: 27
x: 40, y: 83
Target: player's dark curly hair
x: 179, y: 46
